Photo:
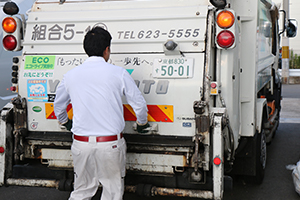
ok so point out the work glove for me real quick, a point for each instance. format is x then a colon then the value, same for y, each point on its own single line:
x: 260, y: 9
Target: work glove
x: 141, y: 127
x: 68, y: 124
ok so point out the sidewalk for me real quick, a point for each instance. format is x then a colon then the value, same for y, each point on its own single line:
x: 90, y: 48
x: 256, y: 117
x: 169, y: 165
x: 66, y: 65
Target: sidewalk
x: 290, y: 104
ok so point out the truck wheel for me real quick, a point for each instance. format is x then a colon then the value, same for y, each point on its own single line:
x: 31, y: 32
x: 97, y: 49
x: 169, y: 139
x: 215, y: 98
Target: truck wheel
x: 261, y: 157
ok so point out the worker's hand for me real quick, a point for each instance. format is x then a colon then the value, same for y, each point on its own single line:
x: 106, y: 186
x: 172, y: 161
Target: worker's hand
x: 68, y: 124
x: 141, y: 127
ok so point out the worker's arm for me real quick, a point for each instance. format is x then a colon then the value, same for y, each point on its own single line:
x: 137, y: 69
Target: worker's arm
x: 136, y: 101
x: 61, y: 102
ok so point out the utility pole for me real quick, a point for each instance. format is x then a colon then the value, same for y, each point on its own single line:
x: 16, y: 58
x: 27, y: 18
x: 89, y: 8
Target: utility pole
x: 285, y: 47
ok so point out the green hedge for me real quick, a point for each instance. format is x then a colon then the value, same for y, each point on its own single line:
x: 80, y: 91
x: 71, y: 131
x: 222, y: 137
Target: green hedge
x: 294, y: 61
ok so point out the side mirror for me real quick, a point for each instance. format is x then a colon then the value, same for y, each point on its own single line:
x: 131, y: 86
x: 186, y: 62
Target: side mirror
x: 291, y: 29
x: 267, y: 29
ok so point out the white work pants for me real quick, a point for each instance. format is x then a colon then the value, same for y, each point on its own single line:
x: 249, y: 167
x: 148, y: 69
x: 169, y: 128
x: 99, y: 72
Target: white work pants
x: 96, y: 162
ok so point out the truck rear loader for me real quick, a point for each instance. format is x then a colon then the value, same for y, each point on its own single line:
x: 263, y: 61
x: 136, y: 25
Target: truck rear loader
x: 208, y: 70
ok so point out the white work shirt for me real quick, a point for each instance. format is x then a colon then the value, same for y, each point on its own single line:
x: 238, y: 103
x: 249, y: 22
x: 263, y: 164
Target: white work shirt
x: 96, y: 89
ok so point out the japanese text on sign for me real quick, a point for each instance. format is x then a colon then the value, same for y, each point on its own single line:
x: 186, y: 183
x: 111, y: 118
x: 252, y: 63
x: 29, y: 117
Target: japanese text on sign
x: 59, y: 32
x: 39, y: 62
x: 55, y: 32
x: 34, y: 74
x: 69, y: 61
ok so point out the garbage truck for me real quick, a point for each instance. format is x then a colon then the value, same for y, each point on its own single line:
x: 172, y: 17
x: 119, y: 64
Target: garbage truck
x: 208, y: 70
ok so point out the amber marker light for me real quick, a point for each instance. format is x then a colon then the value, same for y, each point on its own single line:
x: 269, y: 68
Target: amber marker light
x: 9, y: 25
x: 225, y: 19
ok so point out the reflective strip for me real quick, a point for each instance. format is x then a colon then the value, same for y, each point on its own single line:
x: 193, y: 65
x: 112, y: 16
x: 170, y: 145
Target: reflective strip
x: 285, y: 52
x: 156, y: 113
x: 49, y: 108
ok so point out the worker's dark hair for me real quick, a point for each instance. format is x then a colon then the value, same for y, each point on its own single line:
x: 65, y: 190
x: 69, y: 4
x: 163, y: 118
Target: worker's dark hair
x: 96, y: 41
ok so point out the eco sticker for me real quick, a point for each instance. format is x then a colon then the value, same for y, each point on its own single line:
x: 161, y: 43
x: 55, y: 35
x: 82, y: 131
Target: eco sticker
x: 37, y: 109
x: 39, y: 62
x: 37, y: 90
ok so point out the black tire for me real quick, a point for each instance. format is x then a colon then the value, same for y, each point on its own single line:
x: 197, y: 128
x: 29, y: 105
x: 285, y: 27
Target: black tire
x: 261, y: 157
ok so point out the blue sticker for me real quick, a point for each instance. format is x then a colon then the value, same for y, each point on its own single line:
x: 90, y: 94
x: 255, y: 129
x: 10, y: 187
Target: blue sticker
x: 37, y: 90
x: 187, y: 124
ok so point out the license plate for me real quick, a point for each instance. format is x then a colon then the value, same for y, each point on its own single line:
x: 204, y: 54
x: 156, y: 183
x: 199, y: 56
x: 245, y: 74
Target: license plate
x: 173, y: 68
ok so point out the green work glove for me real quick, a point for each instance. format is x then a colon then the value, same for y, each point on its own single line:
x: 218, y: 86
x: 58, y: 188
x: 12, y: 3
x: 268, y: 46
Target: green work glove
x: 68, y: 124
x: 141, y: 127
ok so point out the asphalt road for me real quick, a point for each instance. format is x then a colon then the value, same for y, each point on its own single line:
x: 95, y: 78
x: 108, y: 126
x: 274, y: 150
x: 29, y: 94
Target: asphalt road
x: 277, y: 185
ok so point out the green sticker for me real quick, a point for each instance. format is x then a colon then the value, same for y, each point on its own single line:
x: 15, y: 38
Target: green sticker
x: 37, y: 109
x: 39, y: 62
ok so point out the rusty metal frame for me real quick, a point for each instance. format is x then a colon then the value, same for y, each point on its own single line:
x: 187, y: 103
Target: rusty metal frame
x: 33, y: 182
x: 206, y: 83
x: 160, y: 191
x: 218, y: 151
x: 154, y: 191
x: 6, y: 111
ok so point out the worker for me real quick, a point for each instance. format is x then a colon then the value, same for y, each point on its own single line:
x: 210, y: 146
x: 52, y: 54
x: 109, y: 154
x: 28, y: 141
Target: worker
x: 95, y: 90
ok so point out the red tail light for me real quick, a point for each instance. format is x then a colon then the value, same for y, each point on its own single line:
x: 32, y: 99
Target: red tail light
x: 217, y: 161
x: 225, y: 39
x: 2, y: 149
x: 13, y: 88
x: 213, y: 85
x: 9, y: 42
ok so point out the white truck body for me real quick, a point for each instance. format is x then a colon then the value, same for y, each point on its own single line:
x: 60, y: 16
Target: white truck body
x: 193, y: 124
